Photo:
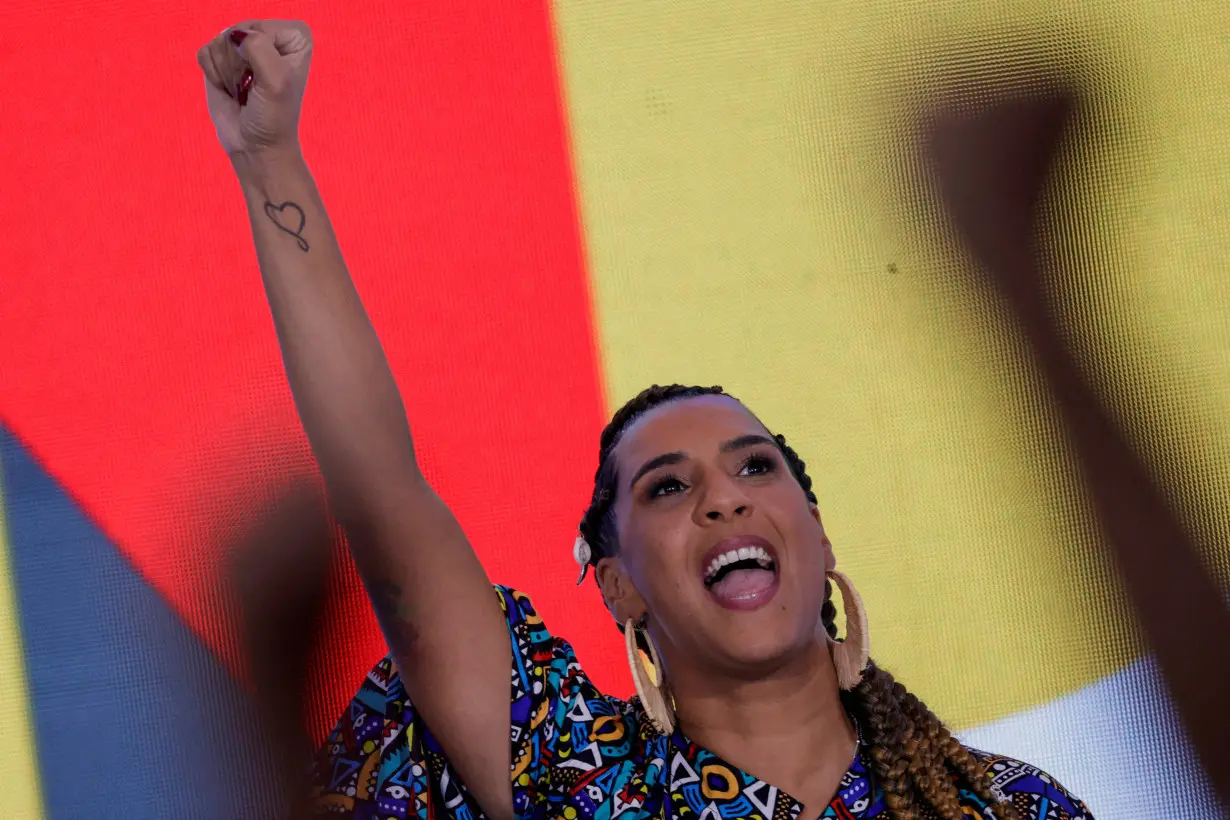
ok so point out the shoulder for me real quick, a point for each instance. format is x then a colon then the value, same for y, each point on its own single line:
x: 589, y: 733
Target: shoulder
x: 1033, y: 792
x: 535, y: 652
x: 549, y: 664
x: 584, y: 731
x: 518, y: 608
x: 536, y: 649
x: 549, y: 683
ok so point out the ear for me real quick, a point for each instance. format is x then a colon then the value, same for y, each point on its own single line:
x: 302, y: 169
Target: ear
x: 830, y: 560
x: 621, y: 598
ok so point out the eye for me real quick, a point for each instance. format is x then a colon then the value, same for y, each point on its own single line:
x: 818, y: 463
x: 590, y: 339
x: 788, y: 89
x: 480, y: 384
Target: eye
x: 758, y: 464
x: 665, y: 485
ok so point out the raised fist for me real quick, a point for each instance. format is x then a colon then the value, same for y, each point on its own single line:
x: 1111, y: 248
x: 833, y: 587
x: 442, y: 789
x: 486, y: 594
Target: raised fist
x: 255, y: 75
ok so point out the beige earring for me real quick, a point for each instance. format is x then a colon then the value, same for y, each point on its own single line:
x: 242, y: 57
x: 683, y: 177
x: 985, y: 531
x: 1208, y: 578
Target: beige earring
x: 851, y: 655
x: 582, y: 554
x: 649, y: 682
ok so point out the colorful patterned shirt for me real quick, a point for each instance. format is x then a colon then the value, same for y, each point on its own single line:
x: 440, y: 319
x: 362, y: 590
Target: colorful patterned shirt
x: 578, y: 753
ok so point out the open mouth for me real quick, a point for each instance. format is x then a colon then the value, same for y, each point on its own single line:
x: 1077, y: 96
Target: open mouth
x: 741, y: 573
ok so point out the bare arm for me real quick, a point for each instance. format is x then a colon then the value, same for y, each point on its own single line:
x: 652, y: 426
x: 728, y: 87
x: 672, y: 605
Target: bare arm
x: 436, y: 607
x: 433, y: 600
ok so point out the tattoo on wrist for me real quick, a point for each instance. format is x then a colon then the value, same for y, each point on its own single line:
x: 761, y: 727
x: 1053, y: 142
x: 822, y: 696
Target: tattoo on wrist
x: 394, y: 614
x: 289, y: 217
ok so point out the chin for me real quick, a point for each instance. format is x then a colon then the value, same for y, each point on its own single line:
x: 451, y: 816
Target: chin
x: 753, y: 650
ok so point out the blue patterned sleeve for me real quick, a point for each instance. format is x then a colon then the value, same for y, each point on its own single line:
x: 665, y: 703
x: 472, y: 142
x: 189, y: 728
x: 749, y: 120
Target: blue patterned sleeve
x: 381, y: 761
x: 1034, y: 793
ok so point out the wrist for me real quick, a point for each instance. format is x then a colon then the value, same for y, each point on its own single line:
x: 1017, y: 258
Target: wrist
x: 258, y: 169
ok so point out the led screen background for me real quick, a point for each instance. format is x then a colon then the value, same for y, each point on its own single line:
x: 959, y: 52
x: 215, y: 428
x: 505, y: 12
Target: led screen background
x: 547, y: 208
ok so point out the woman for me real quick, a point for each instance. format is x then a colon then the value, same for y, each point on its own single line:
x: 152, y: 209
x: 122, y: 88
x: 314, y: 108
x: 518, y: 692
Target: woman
x: 705, y: 540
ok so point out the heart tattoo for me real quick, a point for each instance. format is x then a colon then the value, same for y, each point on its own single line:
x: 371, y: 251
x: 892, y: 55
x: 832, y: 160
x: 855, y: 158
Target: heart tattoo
x: 284, y: 215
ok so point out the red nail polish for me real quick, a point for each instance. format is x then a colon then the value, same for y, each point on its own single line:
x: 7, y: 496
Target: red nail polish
x: 237, y: 36
x: 245, y: 85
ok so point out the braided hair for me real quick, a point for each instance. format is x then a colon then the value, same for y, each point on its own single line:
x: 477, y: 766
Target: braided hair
x: 914, y: 758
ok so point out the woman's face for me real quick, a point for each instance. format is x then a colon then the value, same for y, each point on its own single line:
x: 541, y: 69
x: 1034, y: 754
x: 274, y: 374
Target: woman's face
x: 717, y: 542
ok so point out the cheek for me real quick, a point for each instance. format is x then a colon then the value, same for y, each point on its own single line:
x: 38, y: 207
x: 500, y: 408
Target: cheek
x: 830, y: 559
x: 657, y: 559
x: 804, y: 531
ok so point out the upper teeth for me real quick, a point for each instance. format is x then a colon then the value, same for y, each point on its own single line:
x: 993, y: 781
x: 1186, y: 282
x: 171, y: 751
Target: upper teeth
x: 760, y: 554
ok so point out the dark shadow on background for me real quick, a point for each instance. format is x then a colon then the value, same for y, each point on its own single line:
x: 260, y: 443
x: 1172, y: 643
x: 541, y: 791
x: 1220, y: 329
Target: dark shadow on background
x: 994, y: 155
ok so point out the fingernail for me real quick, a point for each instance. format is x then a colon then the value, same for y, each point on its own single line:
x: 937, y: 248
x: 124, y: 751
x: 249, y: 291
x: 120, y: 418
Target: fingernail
x: 245, y: 85
x: 237, y: 36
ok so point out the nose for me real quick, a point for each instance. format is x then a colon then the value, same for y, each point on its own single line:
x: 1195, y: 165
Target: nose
x: 723, y: 502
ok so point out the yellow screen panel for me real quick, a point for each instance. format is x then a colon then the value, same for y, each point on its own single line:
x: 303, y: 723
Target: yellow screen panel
x: 740, y: 168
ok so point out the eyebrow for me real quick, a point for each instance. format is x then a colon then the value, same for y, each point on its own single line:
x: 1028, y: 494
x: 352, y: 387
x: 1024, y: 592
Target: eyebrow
x: 743, y: 442
x: 738, y: 443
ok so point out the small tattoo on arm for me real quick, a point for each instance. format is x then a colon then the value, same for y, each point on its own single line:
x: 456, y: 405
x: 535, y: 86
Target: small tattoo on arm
x: 289, y: 217
x: 394, y: 614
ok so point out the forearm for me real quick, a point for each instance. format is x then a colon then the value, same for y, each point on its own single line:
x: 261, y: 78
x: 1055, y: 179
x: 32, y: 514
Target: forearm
x: 340, y: 379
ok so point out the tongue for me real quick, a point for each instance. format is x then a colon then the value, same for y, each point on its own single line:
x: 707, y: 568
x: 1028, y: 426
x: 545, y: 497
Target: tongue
x: 742, y: 583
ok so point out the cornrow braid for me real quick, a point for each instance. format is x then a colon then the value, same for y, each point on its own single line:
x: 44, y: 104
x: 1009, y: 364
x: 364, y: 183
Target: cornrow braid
x: 914, y: 758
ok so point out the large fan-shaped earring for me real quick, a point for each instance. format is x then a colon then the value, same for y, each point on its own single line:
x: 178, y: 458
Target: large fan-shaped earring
x: 850, y: 656
x: 647, y: 676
